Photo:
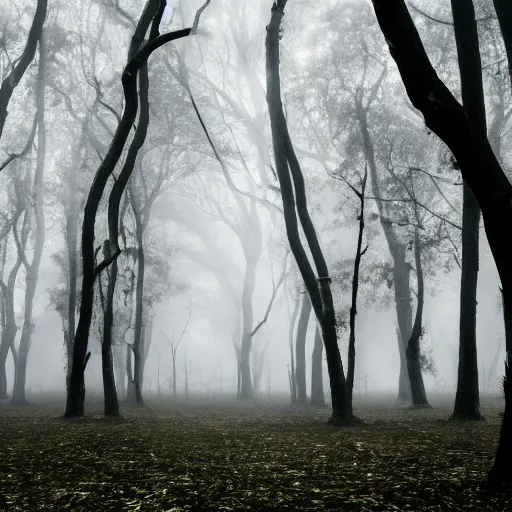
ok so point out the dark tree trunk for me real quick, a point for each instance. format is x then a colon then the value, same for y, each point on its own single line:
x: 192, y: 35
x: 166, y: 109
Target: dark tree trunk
x: 137, y: 56
x: 286, y: 163
x: 130, y: 387
x: 355, y: 287
x: 111, y: 403
x: 32, y: 275
x: 467, y: 400
x: 13, y: 78
x: 317, y: 383
x: 419, y: 397
x: 300, y: 349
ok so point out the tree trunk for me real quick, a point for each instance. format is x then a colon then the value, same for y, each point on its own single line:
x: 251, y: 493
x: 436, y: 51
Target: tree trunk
x: 246, y: 391
x: 467, y: 398
x: 9, y: 331
x: 130, y: 387
x: 295, y: 196
x: 13, y: 78
x: 479, y: 167
x: 300, y: 349
x: 401, y: 269
x: 32, y: 269
x: 317, y: 383
x: 120, y: 371
x: 111, y: 403
x: 504, y: 11
x: 419, y: 397
x: 137, y: 56
x: 293, y: 381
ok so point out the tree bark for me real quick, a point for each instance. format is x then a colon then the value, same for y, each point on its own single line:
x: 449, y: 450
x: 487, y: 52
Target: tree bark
x: 32, y: 269
x: 13, y: 78
x: 318, y: 288
x: 467, y: 400
x: 317, y: 383
x: 300, y: 349
x: 473, y: 153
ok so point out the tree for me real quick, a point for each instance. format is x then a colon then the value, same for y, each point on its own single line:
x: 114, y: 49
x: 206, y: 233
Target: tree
x: 32, y: 268
x: 294, y: 196
x: 446, y: 117
x: 467, y: 401
x: 317, y: 384
x: 138, y: 54
x: 13, y: 78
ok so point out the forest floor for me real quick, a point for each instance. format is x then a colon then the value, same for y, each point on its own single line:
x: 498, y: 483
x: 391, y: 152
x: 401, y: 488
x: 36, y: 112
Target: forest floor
x: 214, y: 455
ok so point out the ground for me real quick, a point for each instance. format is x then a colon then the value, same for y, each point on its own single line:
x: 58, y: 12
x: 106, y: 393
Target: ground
x: 212, y: 454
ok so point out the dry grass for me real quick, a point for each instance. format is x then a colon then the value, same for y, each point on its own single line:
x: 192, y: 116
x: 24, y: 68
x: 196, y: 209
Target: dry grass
x: 215, y: 455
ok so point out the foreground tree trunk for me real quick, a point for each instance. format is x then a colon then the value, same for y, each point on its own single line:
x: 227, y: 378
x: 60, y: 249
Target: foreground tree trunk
x: 467, y: 399
x: 13, y: 78
x: 294, y: 196
x: 479, y: 167
x: 291, y: 373
x: 246, y: 387
x: 317, y: 382
x: 32, y: 269
x: 300, y: 349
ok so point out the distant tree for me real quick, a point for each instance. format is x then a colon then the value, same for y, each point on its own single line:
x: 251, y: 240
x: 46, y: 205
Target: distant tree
x: 138, y: 54
x: 10, y: 82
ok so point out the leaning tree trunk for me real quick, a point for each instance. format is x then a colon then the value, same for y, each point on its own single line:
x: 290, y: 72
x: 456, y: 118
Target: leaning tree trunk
x: 300, y: 349
x: 467, y: 400
x: 317, y: 382
x: 13, y: 78
x: 138, y: 54
x: 32, y: 269
x: 294, y: 196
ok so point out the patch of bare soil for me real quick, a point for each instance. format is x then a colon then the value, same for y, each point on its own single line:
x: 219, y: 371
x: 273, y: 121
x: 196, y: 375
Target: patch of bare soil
x: 221, y: 456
